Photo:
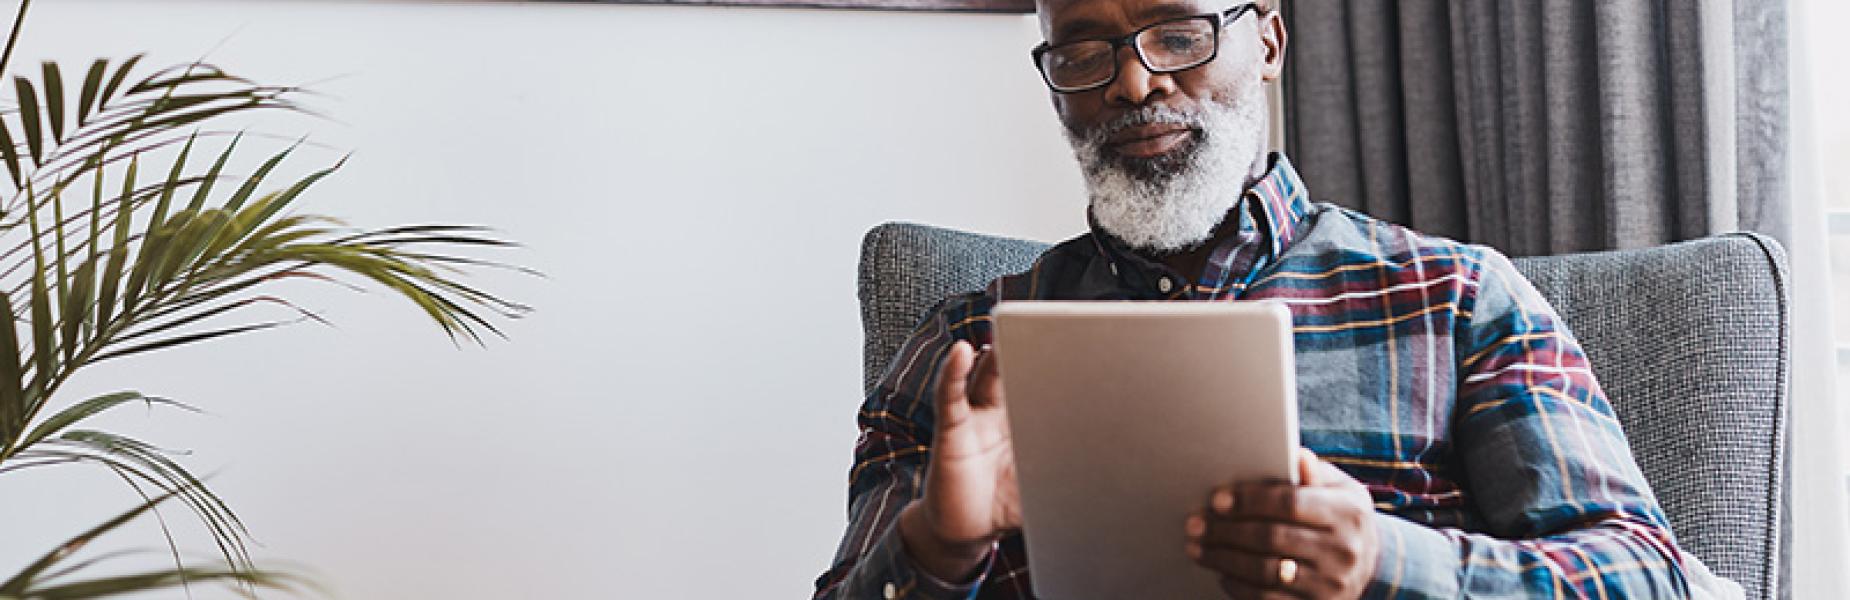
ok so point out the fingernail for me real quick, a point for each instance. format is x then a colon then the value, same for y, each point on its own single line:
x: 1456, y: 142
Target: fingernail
x: 1195, y: 526
x: 1193, y: 551
x: 1222, y: 501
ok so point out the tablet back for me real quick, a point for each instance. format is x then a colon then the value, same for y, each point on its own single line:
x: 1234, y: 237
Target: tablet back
x: 1123, y: 416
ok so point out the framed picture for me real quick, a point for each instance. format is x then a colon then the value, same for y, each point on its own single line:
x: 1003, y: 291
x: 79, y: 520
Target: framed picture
x: 985, y: 6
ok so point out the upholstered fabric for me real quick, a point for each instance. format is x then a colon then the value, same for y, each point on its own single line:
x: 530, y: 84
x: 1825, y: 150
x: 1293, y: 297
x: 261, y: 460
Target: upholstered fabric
x: 1689, y: 341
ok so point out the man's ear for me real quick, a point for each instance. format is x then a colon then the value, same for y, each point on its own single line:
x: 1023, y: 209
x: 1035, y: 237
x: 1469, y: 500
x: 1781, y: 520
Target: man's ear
x: 1273, y: 38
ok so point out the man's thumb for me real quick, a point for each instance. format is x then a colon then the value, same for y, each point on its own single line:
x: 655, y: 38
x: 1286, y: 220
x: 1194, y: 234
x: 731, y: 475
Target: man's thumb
x: 1308, y: 471
x: 953, y: 377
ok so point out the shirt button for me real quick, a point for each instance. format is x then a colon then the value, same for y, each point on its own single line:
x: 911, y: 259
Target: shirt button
x: 889, y: 592
x: 1164, y: 285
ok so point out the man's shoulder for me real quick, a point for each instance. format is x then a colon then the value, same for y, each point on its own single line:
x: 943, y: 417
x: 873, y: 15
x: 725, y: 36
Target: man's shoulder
x: 1060, y: 263
x: 1355, y: 236
x: 963, y: 312
x: 1492, y: 281
x: 1390, y: 237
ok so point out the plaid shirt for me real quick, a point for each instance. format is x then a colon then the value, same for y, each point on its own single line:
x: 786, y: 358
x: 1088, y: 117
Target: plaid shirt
x: 1429, y: 370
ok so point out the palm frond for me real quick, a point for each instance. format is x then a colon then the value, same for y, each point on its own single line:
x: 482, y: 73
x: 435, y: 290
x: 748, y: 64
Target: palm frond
x: 141, y: 269
x: 56, y: 574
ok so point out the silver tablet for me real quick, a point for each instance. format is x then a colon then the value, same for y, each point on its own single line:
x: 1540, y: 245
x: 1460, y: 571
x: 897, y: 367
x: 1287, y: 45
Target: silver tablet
x: 1124, y: 415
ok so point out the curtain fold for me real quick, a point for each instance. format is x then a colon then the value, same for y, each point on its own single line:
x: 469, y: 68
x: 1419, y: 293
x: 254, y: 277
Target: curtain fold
x: 1543, y: 127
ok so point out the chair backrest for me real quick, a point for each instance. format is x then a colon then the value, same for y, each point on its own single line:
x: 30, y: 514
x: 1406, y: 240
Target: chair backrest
x: 1689, y: 341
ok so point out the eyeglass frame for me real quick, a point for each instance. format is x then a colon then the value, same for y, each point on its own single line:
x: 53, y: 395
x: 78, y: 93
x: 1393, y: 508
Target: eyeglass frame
x: 1227, y: 16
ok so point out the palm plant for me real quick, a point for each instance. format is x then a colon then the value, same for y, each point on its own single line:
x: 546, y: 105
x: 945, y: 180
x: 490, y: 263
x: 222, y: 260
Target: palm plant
x: 116, y: 241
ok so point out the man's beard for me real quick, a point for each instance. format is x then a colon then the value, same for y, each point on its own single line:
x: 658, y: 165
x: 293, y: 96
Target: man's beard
x: 1173, y: 202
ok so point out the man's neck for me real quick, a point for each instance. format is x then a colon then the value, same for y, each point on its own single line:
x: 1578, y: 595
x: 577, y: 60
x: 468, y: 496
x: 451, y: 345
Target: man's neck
x: 1190, y: 262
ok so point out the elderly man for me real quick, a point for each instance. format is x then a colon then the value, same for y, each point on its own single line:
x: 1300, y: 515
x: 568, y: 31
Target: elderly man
x: 1458, y: 444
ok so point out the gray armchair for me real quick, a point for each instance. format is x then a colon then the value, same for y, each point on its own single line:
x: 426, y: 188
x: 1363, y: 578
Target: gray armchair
x: 1689, y: 341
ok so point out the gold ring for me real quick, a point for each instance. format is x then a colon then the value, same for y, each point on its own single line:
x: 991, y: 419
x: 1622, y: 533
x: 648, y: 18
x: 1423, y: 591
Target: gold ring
x: 1287, y: 571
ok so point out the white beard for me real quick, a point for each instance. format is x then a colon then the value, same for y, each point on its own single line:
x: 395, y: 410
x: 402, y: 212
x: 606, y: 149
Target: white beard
x: 1173, y: 203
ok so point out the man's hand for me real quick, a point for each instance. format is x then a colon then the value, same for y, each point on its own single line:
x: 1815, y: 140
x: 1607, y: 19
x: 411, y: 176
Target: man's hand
x: 970, y: 495
x: 1324, y: 525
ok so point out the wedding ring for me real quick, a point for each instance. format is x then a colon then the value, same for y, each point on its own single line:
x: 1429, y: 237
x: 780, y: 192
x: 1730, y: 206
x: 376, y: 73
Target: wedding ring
x: 1287, y: 571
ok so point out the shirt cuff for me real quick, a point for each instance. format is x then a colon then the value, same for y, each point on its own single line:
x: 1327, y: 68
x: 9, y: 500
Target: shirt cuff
x: 888, y: 571
x: 1416, y: 561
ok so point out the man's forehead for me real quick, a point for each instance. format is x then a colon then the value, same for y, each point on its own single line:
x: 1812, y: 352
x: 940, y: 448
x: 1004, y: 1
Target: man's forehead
x: 1059, y: 17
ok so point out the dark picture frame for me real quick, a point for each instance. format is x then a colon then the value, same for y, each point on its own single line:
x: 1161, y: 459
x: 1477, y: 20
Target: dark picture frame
x: 971, y: 6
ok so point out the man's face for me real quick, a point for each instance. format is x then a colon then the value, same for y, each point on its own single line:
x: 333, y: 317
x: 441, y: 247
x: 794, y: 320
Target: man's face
x: 1167, y: 155
x: 1251, y: 52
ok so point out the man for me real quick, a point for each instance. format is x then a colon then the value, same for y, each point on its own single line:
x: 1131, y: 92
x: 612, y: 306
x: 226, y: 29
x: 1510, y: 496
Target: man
x: 1458, y: 444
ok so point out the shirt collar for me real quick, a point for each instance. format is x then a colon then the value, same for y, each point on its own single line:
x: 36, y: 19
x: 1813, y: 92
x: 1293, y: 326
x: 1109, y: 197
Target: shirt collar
x: 1282, y: 202
x: 1270, y: 213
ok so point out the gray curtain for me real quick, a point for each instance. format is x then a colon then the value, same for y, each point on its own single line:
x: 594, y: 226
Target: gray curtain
x: 1543, y: 126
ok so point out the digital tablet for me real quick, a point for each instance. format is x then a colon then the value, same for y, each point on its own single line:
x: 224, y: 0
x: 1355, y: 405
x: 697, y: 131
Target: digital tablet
x: 1124, y: 415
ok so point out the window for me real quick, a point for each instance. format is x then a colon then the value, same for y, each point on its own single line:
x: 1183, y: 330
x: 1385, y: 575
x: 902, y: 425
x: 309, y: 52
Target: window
x: 1831, y: 126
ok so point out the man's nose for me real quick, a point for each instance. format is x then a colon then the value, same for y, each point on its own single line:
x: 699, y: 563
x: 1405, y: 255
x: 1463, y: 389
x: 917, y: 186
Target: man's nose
x: 1135, y: 84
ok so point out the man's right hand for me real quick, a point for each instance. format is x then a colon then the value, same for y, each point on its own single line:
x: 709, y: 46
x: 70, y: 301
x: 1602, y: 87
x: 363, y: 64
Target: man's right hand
x: 970, y: 495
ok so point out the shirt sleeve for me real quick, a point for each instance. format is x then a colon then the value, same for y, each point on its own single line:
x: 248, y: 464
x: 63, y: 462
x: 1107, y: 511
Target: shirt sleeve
x: 890, y: 459
x: 1567, y: 512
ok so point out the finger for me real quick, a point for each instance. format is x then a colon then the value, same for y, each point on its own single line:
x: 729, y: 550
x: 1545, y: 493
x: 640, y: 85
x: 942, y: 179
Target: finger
x: 953, y: 378
x: 1221, y: 500
x: 1271, y: 538
x: 1316, y: 472
x: 1308, y: 472
x: 1194, y: 527
x: 1321, y: 507
x: 986, y: 379
x: 1256, y: 571
x: 1242, y: 591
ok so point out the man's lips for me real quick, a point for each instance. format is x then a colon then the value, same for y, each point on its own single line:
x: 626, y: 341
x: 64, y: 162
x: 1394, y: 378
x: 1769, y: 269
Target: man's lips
x: 1145, y: 141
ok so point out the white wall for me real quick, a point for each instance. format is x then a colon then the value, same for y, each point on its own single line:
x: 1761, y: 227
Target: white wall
x: 676, y: 419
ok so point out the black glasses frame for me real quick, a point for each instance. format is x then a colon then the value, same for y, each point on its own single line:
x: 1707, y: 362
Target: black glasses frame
x: 1225, y: 17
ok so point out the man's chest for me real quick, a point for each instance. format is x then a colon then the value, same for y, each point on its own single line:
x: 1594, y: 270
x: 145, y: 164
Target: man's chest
x: 1377, y: 355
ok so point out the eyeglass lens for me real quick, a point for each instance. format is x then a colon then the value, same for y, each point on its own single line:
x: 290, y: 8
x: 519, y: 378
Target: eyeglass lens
x: 1163, y: 47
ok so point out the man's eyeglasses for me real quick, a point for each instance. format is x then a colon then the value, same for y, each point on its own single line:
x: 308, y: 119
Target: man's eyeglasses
x: 1163, y: 47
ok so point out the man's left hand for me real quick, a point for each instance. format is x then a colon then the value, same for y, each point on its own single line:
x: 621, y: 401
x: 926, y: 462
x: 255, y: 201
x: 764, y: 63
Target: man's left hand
x: 1315, y: 539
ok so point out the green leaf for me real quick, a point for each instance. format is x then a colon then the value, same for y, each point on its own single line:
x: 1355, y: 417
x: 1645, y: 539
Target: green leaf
x: 186, y: 339
x: 112, y: 280
x: 84, y: 410
x: 43, y: 347
x: 29, y: 116
x: 16, y: 587
x: 77, y: 306
x: 256, y: 179
x: 19, y: 21
x: 93, y: 83
x: 196, y: 317
x: 142, y: 460
x: 62, y: 285
x: 154, y: 249
x: 190, y: 73
x: 218, y: 166
x: 54, y: 99
x: 12, y: 402
x: 195, y: 232
x: 279, y: 201
x: 173, y: 178
x: 122, y: 71
x: 118, y: 252
x: 159, y: 580
x: 9, y: 150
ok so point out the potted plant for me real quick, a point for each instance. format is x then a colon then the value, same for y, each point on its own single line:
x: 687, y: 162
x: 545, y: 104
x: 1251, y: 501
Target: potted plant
x: 123, y: 233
